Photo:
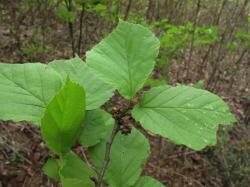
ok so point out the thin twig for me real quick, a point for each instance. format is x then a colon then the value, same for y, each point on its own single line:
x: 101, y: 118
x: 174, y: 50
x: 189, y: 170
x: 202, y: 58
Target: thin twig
x: 87, y: 160
x: 187, y: 62
x: 81, y: 23
x: 70, y: 25
x: 116, y: 129
x: 107, y: 155
x: 128, y: 10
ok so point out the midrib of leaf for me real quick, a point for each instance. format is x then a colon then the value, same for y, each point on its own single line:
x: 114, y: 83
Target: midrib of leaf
x: 184, y: 108
x: 61, y: 108
x: 187, y: 129
x: 206, y: 109
x: 181, y: 112
x: 41, y: 83
x: 128, y: 64
x: 156, y: 122
x: 158, y: 96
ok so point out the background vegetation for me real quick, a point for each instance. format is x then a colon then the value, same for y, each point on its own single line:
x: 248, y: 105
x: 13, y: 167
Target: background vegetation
x: 205, y: 43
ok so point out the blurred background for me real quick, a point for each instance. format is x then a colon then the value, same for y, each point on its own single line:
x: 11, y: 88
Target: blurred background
x: 204, y: 43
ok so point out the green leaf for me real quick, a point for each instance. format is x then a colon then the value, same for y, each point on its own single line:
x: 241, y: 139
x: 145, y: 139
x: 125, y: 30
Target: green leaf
x: 66, y: 15
x: 64, y: 117
x: 155, y: 82
x: 74, y: 172
x: 51, y: 168
x: 183, y: 114
x: 96, y: 126
x: 76, y: 183
x: 127, y: 157
x: 125, y: 58
x: 25, y: 91
x: 146, y: 181
x: 200, y: 84
x: 97, y: 92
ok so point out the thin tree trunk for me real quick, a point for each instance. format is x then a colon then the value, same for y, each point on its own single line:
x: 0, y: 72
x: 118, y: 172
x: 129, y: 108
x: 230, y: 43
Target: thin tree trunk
x: 128, y: 10
x: 216, y: 22
x: 220, y: 54
x: 71, y: 29
x: 81, y: 24
x: 193, y: 38
x: 117, y: 11
x: 107, y: 155
x: 149, y: 10
x: 238, y: 62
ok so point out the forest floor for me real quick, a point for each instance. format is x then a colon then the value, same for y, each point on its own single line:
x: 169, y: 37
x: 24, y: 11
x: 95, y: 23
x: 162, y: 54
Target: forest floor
x: 23, y: 153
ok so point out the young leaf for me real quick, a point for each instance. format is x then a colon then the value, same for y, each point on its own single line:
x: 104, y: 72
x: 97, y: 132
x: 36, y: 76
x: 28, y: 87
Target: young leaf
x: 146, y: 181
x: 74, y: 172
x: 125, y: 58
x: 51, y: 168
x: 63, y: 118
x: 97, y: 124
x: 127, y: 157
x: 25, y: 90
x: 97, y: 92
x: 183, y: 114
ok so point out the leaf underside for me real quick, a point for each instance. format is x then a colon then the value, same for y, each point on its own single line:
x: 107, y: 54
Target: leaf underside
x: 125, y: 58
x: 127, y: 157
x: 183, y: 114
x: 25, y: 91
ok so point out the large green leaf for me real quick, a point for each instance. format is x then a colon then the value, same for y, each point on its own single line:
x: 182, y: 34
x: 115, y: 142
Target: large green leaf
x: 125, y: 58
x: 25, y: 90
x: 64, y: 117
x: 97, y: 92
x: 127, y: 157
x: 74, y: 172
x: 183, y: 114
x: 97, y: 124
x: 146, y: 181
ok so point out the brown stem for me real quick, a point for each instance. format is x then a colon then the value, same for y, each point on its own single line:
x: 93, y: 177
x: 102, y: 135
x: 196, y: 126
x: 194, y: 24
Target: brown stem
x: 70, y: 26
x: 81, y: 23
x: 128, y: 10
x: 193, y: 38
x: 110, y: 141
x: 237, y: 63
x: 149, y: 9
x: 107, y: 155
x: 217, y: 20
x: 215, y: 64
x: 117, y: 11
x: 231, y: 29
x: 86, y: 160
